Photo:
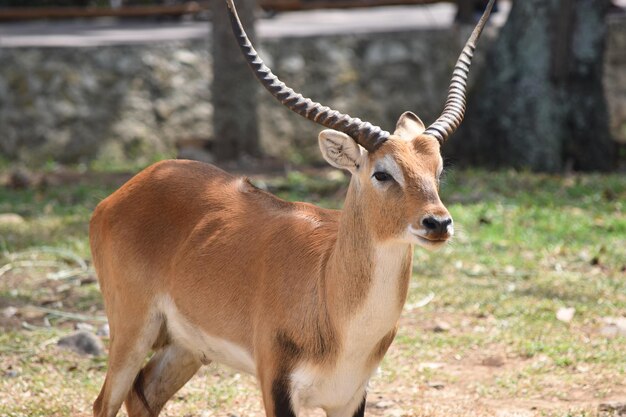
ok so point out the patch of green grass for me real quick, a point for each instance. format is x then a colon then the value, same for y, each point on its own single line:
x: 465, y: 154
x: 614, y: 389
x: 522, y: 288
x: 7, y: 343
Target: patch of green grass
x: 529, y: 245
x: 55, y: 216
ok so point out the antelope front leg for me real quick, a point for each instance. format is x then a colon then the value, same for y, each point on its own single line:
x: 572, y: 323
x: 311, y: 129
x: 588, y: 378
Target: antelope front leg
x: 355, y: 408
x: 277, y: 395
x: 273, y: 373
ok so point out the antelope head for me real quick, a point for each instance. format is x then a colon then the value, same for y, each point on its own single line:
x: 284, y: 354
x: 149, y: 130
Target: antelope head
x: 396, y: 176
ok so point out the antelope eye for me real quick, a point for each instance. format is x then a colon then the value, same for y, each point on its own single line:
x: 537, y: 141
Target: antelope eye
x: 382, y: 176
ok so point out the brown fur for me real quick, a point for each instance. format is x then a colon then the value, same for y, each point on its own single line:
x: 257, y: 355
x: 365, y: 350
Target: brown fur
x: 277, y: 278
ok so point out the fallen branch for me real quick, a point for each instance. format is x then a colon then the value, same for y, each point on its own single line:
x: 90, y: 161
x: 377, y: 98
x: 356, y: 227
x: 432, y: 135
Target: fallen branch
x: 30, y: 259
x: 71, y: 316
x: 28, y: 264
x: 61, y: 253
x: 421, y: 303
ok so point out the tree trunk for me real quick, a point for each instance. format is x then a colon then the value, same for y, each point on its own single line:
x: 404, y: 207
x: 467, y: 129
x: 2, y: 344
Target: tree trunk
x: 540, y: 102
x: 234, y: 89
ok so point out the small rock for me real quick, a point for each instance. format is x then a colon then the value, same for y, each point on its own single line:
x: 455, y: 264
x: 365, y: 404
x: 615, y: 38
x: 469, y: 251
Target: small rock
x: 64, y: 288
x: 11, y: 373
x: 11, y: 219
x: 509, y: 270
x: 163, y: 109
x: 484, y: 220
x: 565, y: 314
x: 609, y: 331
x: 495, y: 361
x: 619, y: 323
x: 31, y: 313
x: 19, y: 179
x: 429, y: 365
x: 441, y: 326
x: 82, y: 342
x: 88, y: 280
x: 582, y: 368
x: 85, y: 327
x: 383, y: 404
x: 186, y: 57
x: 9, y: 312
x: 103, y: 331
x: 613, y: 408
x: 436, y: 385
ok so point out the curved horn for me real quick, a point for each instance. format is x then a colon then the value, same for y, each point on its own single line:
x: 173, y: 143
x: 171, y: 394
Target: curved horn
x: 454, y: 109
x: 364, y: 133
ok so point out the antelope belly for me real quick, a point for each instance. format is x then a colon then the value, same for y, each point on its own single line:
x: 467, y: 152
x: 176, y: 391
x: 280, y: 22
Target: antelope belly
x: 205, y: 346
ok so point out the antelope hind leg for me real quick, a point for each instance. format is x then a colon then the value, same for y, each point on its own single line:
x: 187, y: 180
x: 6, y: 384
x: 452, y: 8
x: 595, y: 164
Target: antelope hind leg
x: 130, y: 343
x: 166, y: 372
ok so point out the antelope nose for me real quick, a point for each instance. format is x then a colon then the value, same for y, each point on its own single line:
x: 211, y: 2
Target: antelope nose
x: 437, y: 225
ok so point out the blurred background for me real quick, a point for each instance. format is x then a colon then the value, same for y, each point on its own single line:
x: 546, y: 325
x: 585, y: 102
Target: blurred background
x: 523, y: 315
x: 115, y: 82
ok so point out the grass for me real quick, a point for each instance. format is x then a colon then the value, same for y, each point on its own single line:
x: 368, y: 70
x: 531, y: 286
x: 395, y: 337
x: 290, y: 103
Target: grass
x: 526, y: 246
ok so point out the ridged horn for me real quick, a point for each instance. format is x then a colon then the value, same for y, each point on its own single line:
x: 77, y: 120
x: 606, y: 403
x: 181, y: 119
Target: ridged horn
x: 454, y: 109
x: 364, y: 133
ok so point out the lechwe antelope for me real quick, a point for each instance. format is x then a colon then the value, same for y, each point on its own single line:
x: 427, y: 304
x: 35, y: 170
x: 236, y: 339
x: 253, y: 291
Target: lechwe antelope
x: 201, y: 266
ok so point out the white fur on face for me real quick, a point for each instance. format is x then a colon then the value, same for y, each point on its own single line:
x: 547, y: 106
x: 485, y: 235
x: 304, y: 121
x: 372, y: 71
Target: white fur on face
x: 390, y: 166
x: 440, y: 168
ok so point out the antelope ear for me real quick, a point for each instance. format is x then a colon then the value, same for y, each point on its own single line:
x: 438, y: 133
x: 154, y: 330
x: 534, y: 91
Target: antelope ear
x: 340, y: 150
x: 409, y: 126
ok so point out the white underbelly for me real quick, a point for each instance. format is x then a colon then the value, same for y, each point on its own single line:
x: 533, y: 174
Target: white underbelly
x: 206, y: 347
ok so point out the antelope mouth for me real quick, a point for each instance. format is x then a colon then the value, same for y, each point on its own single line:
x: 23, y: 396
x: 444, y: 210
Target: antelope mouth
x: 431, y: 242
x: 434, y: 240
x: 428, y: 240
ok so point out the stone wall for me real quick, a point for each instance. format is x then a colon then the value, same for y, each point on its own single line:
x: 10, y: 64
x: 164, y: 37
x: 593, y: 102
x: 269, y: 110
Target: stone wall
x: 136, y: 102
x: 373, y: 77
x: 75, y: 104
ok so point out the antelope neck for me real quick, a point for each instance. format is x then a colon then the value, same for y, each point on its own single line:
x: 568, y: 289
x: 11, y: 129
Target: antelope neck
x: 357, y: 259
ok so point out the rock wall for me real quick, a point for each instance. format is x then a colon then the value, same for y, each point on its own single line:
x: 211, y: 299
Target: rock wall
x: 373, y: 77
x: 134, y: 103
x: 75, y: 104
